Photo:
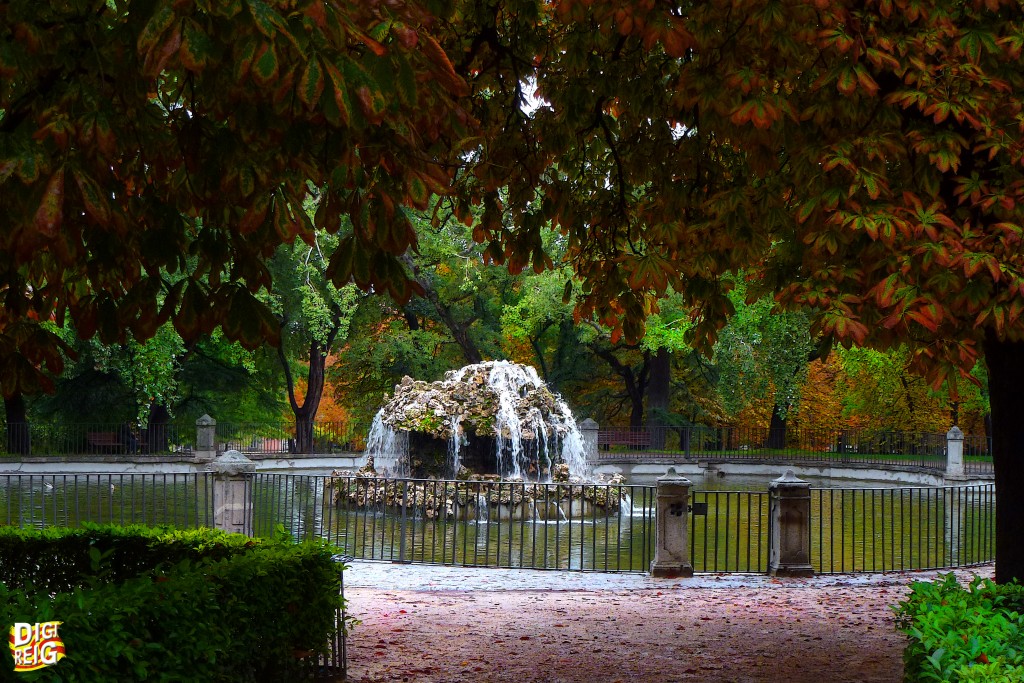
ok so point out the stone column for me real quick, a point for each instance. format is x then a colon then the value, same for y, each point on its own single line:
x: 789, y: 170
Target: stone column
x: 206, y: 437
x: 589, y: 429
x: 672, y: 540
x: 789, y: 545
x: 232, y: 492
x: 954, y: 453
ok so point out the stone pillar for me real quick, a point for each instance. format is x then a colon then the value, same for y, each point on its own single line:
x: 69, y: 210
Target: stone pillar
x: 954, y: 453
x: 232, y: 492
x: 589, y: 429
x: 672, y: 540
x: 789, y: 545
x: 206, y: 439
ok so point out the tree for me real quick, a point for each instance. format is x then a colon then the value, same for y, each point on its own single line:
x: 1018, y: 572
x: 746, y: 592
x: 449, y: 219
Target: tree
x: 153, y: 384
x: 861, y: 163
x: 153, y: 155
x: 764, y: 354
x: 315, y: 316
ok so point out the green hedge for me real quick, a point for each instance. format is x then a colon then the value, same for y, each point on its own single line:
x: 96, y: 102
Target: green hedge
x: 963, y: 634
x: 151, y: 605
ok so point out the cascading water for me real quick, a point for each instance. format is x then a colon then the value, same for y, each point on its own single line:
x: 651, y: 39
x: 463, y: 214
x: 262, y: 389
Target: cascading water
x: 531, y: 427
x: 388, y: 448
x: 455, y: 445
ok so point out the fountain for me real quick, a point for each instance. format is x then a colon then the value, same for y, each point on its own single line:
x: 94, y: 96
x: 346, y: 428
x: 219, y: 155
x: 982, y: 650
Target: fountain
x: 496, y: 417
x: 497, y: 443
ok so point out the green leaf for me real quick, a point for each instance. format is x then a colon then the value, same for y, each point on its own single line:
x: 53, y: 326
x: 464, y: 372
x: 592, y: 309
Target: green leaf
x: 244, y: 58
x: 341, y: 96
x: 311, y: 84
x: 265, y: 68
x: 406, y: 81
x: 50, y: 213
x: 267, y: 20
x: 418, y: 193
x: 339, y: 271
x: 196, y: 47
x: 92, y: 196
x: 157, y: 25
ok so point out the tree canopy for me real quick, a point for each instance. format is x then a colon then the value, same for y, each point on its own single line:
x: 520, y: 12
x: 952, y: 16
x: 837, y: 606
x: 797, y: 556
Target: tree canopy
x: 153, y: 155
x: 861, y: 162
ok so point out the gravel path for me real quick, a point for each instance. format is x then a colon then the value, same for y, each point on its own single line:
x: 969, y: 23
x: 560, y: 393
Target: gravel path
x: 451, y: 624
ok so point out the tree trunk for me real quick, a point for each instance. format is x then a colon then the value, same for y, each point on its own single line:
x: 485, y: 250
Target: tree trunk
x: 156, y: 428
x: 305, y: 413
x: 658, y: 393
x: 1005, y: 360
x: 17, y: 426
x: 777, y: 430
x: 635, y: 382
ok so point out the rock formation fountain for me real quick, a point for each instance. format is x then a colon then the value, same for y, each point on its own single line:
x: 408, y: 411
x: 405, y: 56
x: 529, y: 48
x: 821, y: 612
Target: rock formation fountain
x: 498, y: 432
x: 496, y: 417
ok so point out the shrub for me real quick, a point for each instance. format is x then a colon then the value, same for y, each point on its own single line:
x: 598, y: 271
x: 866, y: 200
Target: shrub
x: 963, y: 634
x: 142, y: 604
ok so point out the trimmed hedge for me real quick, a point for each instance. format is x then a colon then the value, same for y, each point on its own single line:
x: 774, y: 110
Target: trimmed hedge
x: 139, y: 604
x: 963, y: 634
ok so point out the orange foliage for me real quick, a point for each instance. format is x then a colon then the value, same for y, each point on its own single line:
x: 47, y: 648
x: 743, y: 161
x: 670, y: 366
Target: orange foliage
x: 330, y: 410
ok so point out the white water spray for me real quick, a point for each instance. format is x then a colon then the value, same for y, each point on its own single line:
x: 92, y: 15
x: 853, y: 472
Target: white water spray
x: 532, y: 427
x: 388, y: 448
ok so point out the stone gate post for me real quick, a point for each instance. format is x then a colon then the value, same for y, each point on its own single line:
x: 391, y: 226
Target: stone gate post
x: 672, y: 539
x: 206, y: 439
x: 232, y: 492
x: 789, y: 509
x: 954, y: 453
x: 589, y: 429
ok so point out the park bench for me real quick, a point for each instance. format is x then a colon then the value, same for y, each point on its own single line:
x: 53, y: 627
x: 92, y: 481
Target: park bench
x: 103, y: 442
x: 634, y: 439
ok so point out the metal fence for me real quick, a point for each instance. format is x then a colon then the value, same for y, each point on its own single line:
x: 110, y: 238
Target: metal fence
x: 68, y: 500
x: 894, y: 529
x: 825, y: 446
x: 324, y: 438
x: 97, y: 439
x: 477, y: 524
x: 582, y: 527
x: 729, y: 531
x: 592, y: 527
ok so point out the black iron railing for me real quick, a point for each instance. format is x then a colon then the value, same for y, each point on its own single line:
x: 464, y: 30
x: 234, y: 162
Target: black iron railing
x: 812, y: 446
x: 28, y: 439
x: 585, y: 527
x: 320, y: 438
x: 68, y: 500
x: 729, y: 531
x: 895, y: 529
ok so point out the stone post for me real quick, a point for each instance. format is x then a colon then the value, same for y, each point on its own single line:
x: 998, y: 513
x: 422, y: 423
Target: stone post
x: 672, y: 539
x: 206, y: 436
x: 954, y: 453
x: 232, y: 492
x: 789, y: 509
x: 589, y: 429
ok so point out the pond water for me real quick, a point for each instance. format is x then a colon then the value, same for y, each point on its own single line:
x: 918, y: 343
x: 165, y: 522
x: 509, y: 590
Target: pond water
x: 855, y: 528
x: 862, y: 526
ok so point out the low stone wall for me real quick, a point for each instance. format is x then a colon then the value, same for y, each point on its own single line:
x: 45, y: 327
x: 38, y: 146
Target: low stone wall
x: 169, y: 464
x: 648, y: 471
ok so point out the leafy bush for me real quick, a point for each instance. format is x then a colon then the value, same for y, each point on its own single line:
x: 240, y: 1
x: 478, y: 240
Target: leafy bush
x: 963, y: 634
x: 200, y: 606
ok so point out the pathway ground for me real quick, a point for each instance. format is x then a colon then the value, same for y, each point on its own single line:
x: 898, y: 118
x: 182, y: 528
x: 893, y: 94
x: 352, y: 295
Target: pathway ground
x: 427, y: 624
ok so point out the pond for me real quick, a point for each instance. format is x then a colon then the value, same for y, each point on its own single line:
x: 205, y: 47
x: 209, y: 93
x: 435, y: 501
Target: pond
x: 859, y: 527
x: 853, y: 529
